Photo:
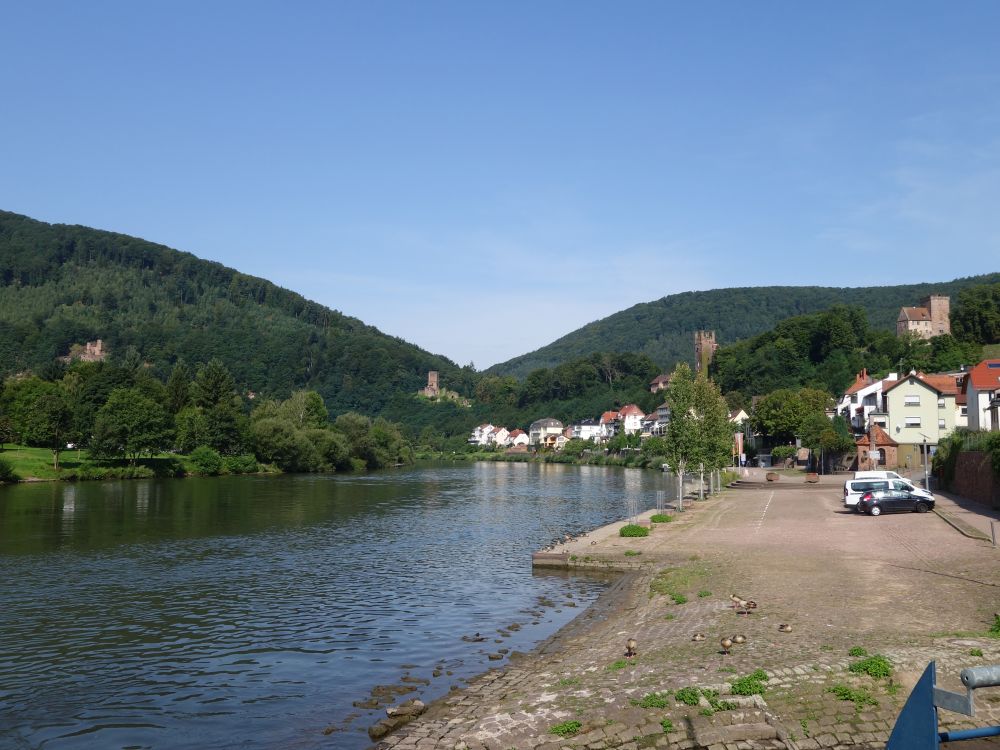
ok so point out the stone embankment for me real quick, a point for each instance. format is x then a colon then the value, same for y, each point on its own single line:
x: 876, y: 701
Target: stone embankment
x: 830, y: 587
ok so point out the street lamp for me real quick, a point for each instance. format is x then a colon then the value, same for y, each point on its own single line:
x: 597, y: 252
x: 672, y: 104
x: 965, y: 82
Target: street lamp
x: 926, y: 481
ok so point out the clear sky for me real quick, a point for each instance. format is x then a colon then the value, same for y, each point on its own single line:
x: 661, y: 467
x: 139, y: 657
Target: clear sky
x: 481, y: 178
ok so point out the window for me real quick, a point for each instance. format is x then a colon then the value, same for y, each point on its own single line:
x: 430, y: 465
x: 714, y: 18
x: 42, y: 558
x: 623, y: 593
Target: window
x: 941, y: 424
x: 912, y: 421
x: 940, y: 403
x: 911, y: 400
x: 965, y: 411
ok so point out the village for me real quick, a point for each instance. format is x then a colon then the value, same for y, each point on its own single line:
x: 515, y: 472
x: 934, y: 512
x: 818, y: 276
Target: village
x: 897, y: 420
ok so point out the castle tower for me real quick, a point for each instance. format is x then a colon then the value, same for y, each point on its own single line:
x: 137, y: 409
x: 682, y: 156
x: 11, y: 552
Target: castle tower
x: 704, y: 349
x: 432, y: 390
x: 939, y: 307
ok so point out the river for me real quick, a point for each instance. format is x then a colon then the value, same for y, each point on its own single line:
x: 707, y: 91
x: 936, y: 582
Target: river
x: 253, y: 612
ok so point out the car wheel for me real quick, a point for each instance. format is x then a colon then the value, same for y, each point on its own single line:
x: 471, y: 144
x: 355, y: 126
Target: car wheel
x: 921, y: 508
x: 875, y: 510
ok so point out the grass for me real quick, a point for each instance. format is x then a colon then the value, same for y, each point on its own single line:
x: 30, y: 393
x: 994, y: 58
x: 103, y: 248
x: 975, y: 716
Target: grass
x: 703, y: 593
x: 860, y: 697
x: 654, y: 700
x: 36, y: 463
x: 670, y: 617
x: 994, y: 631
x: 689, y: 696
x: 633, y: 530
x: 673, y: 582
x: 975, y: 652
x: 632, y: 553
x: 566, y: 729
x: 678, y: 598
x: 620, y: 664
x: 568, y: 681
x: 857, y: 651
x: 661, y: 518
x: 668, y: 726
x: 874, y: 666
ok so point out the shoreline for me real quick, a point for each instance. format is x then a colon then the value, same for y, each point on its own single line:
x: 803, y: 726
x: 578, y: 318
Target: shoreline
x: 576, y: 689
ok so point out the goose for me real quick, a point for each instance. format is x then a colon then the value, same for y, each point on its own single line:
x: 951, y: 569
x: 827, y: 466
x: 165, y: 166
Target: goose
x: 698, y: 637
x: 784, y: 628
x: 630, y: 647
x: 726, y: 644
x: 739, y: 638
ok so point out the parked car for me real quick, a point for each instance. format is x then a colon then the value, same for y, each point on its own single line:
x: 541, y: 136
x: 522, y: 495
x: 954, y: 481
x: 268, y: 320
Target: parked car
x: 855, y: 488
x: 877, y: 502
x: 876, y: 475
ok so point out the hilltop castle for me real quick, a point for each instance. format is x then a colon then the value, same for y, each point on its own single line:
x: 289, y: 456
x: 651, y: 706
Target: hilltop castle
x: 932, y: 318
x: 704, y: 350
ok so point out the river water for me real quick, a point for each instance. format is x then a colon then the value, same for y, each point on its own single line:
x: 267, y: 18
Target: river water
x: 255, y: 611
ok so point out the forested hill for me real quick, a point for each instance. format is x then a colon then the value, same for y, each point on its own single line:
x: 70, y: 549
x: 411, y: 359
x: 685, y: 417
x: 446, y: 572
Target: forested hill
x: 62, y: 285
x: 664, y: 330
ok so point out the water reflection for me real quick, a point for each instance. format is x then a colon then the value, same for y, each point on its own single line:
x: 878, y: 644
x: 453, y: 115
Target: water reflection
x: 255, y: 611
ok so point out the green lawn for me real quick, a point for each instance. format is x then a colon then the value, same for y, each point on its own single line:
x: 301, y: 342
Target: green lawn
x: 991, y: 351
x: 36, y: 463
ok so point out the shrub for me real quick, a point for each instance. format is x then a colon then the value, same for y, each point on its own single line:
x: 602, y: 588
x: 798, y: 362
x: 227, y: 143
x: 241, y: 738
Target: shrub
x: 566, y: 729
x: 858, y: 696
x: 679, y: 598
x: 702, y: 594
x: 874, y: 666
x: 205, y: 460
x: 632, y: 529
x: 7, y: 473
x: 246, y: 464
x: 668, y: 726
x: 857, y: 651
x: 994, y: 631
x: 975, y: 652
x: 661, y: 518
x: 632, y: 553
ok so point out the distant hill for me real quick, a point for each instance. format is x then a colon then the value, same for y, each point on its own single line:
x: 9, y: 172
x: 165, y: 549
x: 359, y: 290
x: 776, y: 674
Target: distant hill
x: 62, y: 285
x: 664, y: 330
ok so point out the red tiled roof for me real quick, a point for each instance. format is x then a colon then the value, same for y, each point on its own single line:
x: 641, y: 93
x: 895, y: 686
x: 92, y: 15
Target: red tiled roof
x: 985, y: 377
x: 515, y: 433
x: 609, y: 416
x: 630, y: 410
x: 861, y: 380
x: 881, y: 438
x: 918, y: 377
x: 915, y: 313
x: 947, y: 384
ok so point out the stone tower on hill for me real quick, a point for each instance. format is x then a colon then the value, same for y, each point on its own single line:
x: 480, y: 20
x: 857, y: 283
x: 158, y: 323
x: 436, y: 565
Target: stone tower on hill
x: 704, y: 349
x: 932, y: 318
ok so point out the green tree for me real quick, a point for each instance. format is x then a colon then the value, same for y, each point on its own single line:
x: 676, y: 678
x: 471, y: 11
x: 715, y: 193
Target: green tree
x: 715, y: 432
x: 191, y: 429
x: 39, y: 413
x: 213, y: 385
x: 683, y: 442
x: 305, y: 409
x: 179, y: 387
x: 976, y: 316
x: 130, y: 425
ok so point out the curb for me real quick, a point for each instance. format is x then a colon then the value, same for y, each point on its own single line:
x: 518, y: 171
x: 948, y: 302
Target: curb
x: 962, y: 527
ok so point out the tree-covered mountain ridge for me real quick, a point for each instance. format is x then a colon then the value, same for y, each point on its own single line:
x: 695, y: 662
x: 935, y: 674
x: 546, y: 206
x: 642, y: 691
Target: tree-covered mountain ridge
x: 66, y: 284
x: 664, y: 329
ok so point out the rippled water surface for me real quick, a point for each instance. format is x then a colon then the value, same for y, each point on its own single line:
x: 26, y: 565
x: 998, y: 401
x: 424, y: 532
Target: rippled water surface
x: 253, y: 612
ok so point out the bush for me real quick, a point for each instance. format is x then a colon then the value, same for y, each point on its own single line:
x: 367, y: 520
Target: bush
x: 668, y: 726
x: 661, y: 518
x: 632, y: 529
x: 7, y: 473
x: 859, y: 696
x: 245, y: 464
x: 857, y: 651
x: 689, y: 696
x: 205, y: 460
x: 566, y: 729
x: 654, y: 700
x: 751, y: 684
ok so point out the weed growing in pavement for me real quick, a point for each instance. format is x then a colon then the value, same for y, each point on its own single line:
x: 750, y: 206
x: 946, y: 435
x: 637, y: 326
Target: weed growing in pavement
x: 670, y: 617
x: 702, y: 594
x: 572, y: 558
x: 712, y: 696
x: 874, y: 666
x: 805, y: 728
x: 858, y: 651
x: 706, y: 712
x: 994, y: 631
x: 731, y: 670
x: 975, y: 652
x: 679, y: 598
x: 653, y: 700
x: 668, y: 726
x: 620, y: 664
x: 633, y: 529
x: 860, y: 697
x: 566, y: 729
x: 661, y: 518
x: 568, y: 681
x: 632, y: 553
x: 751, y: 684
x: 689, y: 696
x: 892, y: 688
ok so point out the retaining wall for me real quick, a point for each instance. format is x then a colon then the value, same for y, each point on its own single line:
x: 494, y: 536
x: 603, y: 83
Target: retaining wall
x: 974, y: 479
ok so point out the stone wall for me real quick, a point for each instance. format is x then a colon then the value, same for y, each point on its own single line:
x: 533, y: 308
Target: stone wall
x: 974, y: 479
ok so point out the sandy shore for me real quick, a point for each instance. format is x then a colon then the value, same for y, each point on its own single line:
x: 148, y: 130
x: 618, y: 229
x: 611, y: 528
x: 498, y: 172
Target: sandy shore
x: 907, y: 586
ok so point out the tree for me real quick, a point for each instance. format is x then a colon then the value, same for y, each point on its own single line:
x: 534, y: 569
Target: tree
x: 976, y: 317
x: 130, y: 425
x: 178, y: 387
x: 682, y: 438
x: 715, y: 431
x: 213, y: 385
x: 305, y: 409
x: 39, y: 413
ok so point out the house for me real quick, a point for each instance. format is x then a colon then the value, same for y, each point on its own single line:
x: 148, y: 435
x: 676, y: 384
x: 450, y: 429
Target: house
x: 876, y: 449
x: 981, y: 389
x: 587, y: 429
x: 543, y: 432
x: 648, y: 423
x: 738, y: 416
x: 659, y: 383
x: 630, y: 417
x: 662, y: 414
x: 862, y: 398
x: 921, y: 411
x: 499, y: 436
x: 932, y: 318
x: 609, y: 424
x: 481, y: 435
x: 518, y: 438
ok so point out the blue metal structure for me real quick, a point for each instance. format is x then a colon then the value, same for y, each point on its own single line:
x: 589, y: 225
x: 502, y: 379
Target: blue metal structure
x: 917, y: 725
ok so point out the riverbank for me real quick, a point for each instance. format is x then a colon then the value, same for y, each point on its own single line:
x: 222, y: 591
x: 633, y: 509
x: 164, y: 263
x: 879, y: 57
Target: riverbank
x: 841, y: 583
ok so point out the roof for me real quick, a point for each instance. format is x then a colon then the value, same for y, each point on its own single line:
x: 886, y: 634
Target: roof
x: 516, y: 433
x: 986, y: 375
x: 546, y: 422
x: 609, y: 416
x: 915, y: 313
x: 631, y: 410
x: 660, y: 379
x: 881, y: 438
x: 861, y: 380
x: 947, y: 384
x: 920, y: 378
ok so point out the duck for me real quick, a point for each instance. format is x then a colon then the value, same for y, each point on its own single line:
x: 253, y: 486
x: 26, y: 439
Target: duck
x: 739, y: 638
x: 785, y: 628
x: 630, y: 648
x: 751, y: 604
x: 698, y: 637
x: 726, y: 643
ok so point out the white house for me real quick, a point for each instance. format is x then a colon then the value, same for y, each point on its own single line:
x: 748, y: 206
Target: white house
x: 587, y: 429
x: 631, y: 416
x: 499, y: 436
x: 981, y: 388
x: 481, y: 434
x: 609, y: 424
x: 543, y: 432
x: 518, y: 437
x: 862, y: 398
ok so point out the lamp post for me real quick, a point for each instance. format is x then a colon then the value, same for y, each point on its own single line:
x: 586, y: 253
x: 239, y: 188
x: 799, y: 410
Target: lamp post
x: 926, y: 482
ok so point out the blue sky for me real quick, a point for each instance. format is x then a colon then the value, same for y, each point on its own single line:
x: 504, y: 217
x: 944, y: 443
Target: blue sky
x: 482, y: 178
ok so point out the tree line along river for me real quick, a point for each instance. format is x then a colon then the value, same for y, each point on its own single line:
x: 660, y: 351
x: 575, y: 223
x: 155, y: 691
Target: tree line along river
x: 257, y: 611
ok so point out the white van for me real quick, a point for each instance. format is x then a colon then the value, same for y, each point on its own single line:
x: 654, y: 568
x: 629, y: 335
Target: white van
x: 855, y: 488
x: 877, y: 475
